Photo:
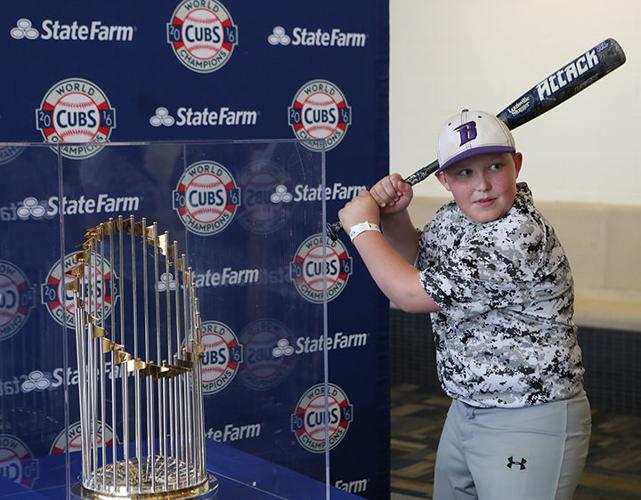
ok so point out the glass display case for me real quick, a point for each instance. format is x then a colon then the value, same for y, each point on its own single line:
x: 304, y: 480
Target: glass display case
x: 248, y: 221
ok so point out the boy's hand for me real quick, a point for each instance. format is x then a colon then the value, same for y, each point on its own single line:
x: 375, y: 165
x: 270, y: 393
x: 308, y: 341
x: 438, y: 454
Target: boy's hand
x: 392, y: 194
x: 362, y: 208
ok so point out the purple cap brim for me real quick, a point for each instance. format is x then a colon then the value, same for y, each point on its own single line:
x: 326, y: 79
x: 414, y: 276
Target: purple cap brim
x: 473, y: 152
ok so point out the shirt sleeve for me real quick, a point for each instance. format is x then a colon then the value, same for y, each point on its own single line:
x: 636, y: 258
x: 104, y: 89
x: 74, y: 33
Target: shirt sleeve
x: 494, y: 268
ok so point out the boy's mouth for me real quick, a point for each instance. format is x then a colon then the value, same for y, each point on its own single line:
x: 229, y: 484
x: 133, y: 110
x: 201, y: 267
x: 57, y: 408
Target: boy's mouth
x: 485, y: 202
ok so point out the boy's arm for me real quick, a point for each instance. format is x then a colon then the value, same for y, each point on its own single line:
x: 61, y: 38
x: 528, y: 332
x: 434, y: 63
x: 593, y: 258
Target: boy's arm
x: 394, y: 275
x: 390, y: 268
x: 393, y: 196
x: 401, y: 234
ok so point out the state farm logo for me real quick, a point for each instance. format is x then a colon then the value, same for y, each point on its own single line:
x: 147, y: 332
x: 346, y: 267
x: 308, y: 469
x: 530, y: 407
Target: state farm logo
x: 316, y: 37
x: 59, y: 300
x: 17, y: 299
x: 31, y: 208
x: 36, y: 380
x: 16, y: 461
x: 221, y: 358
x: 206, y: 198
x: 51, y: 29
x: 202, y: 35
x: 315, y: 261
x: 205, y: 117
x: 319, y: 114
x: 76, y: 111
x: 312, y: 421
x: 72, y: 439
x: 265, y: 197
x: 310, y: 345
x: 24, y: 29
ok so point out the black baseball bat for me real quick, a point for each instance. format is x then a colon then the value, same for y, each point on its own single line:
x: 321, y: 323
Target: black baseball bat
x: 549, y: 93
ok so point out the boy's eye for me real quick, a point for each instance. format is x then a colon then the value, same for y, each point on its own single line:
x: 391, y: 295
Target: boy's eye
x: 495, y: 166
x: 463, y: 172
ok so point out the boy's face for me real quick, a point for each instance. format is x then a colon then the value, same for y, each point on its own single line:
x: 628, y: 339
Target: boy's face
x: 483, y: 186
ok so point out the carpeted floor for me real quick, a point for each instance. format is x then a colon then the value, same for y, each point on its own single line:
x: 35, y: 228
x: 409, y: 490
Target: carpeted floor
x: 612, y: 472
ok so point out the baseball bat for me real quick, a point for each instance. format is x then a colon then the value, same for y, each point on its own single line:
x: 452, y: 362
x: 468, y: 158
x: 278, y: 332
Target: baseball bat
x: 549, y: 93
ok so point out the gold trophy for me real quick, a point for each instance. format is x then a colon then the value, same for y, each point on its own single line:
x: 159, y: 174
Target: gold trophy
x: 162, y: 450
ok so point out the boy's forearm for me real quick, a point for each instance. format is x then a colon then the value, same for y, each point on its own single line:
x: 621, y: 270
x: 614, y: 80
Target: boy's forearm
x: 401, y: 234
x: 396, y: 278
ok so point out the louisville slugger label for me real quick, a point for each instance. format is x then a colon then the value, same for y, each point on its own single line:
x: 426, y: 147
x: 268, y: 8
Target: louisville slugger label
x: 522, y: 106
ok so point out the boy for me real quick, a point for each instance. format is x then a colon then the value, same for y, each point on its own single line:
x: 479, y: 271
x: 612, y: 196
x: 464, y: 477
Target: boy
x: 498, y: 284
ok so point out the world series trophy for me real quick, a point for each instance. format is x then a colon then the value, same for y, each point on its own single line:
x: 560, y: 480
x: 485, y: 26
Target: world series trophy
x: 162, y: 450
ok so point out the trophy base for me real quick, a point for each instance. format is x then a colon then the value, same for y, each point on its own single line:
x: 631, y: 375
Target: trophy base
x: 206, y: 491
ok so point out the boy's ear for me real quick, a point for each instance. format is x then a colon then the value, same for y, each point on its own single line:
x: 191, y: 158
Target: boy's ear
x: 518, y: 162
x: 442, y: 179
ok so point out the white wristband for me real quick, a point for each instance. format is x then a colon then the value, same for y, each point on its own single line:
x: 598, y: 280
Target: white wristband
x: 357, y: 229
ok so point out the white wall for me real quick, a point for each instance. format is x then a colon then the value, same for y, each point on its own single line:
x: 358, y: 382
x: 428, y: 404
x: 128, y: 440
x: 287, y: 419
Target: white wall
x: 447, y: 55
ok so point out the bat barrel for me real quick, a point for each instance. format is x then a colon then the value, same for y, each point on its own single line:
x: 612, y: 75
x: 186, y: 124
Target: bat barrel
x: 564, y: 83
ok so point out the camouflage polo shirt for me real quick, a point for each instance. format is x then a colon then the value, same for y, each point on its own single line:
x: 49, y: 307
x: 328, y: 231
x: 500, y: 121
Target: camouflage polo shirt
x: 505, y: 335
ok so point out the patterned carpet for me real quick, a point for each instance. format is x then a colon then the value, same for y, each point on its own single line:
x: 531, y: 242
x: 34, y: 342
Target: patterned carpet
x: 612, y: 472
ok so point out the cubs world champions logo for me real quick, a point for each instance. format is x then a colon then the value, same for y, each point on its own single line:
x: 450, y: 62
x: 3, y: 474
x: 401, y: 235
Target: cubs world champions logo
x: 265, y: 207
x: 320, y: 114
x: 16, y: 461
x: 59, y: 301
x: 262, y: 370
x: 307, y: 271
x: 206, y: 198
x: 202, y: 35
x: 17, y: 299
x: 72, y: 438
x: 10, y: 153
x: 311, y: 423
x: 221, y: 358
x: 76, y: 111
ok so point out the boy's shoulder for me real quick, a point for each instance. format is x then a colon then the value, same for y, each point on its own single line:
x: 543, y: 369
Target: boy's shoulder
x: 522, y: 225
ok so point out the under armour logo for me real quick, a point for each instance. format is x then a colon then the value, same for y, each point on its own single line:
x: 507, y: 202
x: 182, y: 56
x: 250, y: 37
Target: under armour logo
x: 511, y: 462
x: 467, y: 131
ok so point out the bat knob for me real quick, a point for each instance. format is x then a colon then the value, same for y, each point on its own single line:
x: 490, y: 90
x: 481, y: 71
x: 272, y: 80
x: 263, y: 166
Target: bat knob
x: 332, y: 230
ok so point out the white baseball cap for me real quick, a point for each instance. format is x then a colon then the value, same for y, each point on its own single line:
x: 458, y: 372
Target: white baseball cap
x: 470, y: 133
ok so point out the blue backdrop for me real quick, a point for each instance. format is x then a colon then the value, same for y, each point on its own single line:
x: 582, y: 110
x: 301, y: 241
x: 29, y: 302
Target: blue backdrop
x: 185, y: 71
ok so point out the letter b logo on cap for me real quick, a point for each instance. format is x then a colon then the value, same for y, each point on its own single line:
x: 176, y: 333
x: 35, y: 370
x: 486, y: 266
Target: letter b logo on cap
x: 467, y: 132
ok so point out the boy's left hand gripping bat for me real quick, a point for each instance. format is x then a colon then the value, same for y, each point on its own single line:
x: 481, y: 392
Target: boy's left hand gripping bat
x: 553, y: 90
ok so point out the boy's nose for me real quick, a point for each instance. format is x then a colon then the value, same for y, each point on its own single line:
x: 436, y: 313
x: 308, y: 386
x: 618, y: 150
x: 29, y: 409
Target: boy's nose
x: 483, y: 183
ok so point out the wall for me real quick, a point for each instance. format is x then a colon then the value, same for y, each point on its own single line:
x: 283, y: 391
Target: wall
x: 445, y: 56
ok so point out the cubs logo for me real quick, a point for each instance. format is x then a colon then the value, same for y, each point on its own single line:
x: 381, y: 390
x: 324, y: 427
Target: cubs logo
x: 72, y: 438
x: 262, y: 370
x: 206, y: 198
x: 16, y: 461
x: 320, y: 115
x: 306, y: 271
x: 76, y: 111
x: 261, y: 213
x: 221, y: 358
x: 17, y: 299
x: 310, y: 422
x: 202, y: 35
x: 10, y: 153
x: 59, y: 301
